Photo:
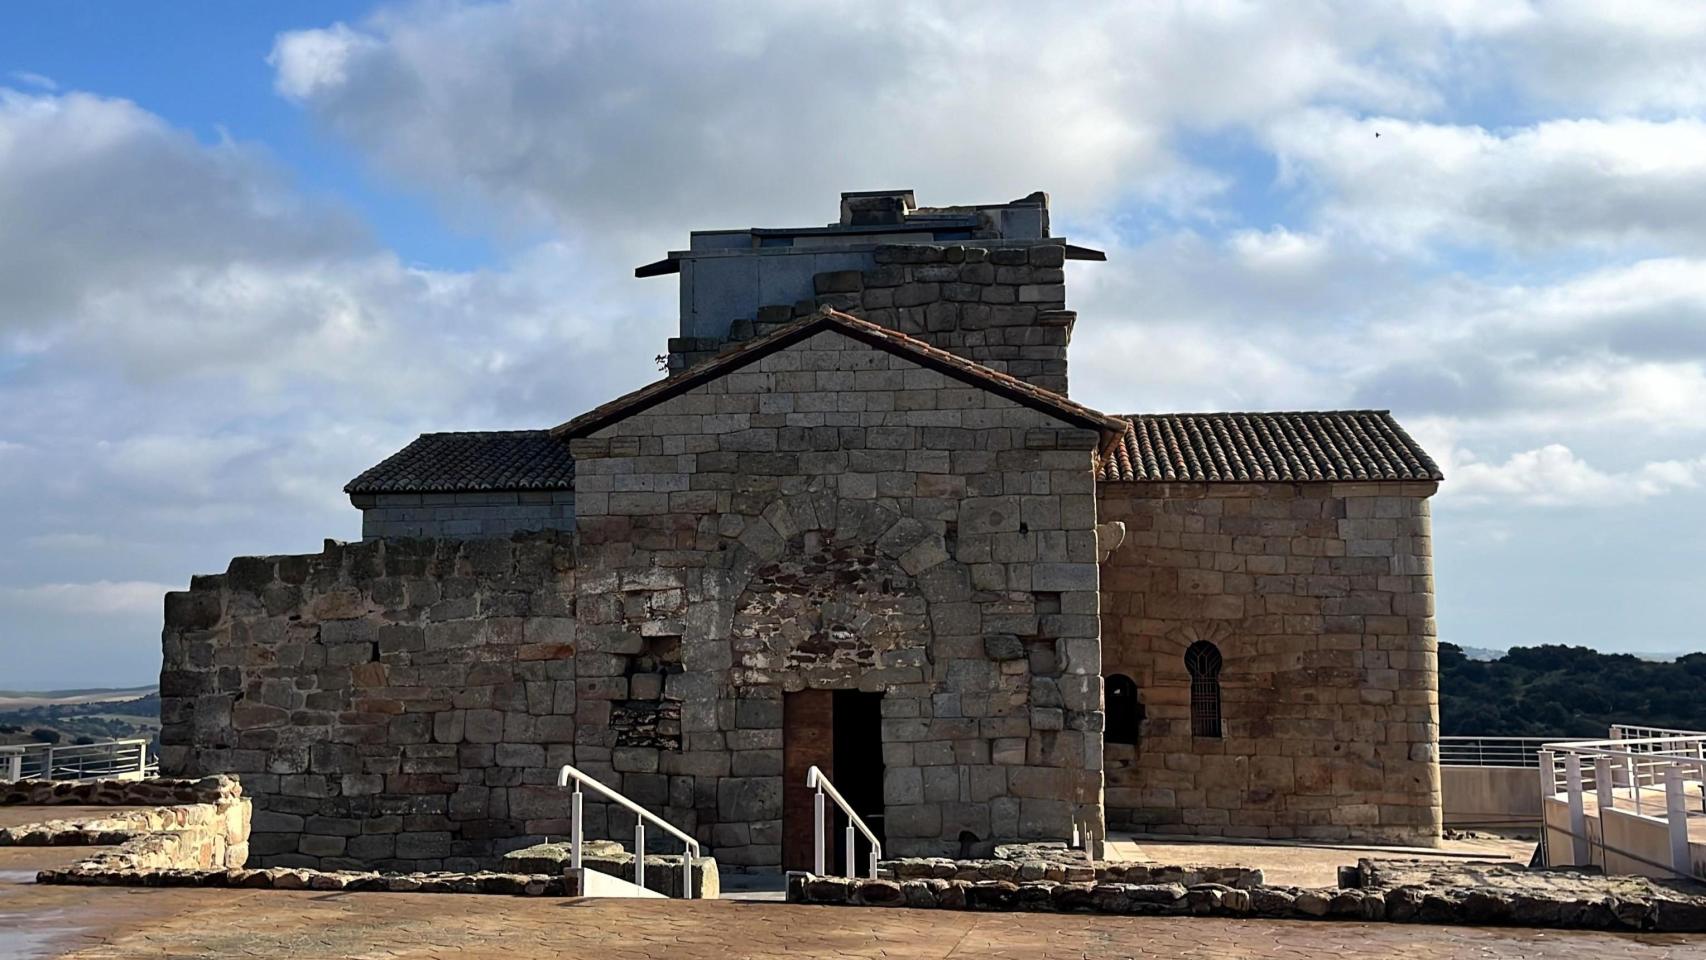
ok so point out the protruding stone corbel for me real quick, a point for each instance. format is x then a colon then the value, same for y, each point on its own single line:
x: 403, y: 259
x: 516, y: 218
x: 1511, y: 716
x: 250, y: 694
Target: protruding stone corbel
x: 1109, y: 536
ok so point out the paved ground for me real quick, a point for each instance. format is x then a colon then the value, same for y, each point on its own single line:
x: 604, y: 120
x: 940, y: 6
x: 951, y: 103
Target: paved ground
x: 107, y: 923
x: 287, y: 925
x: 1299, y: 864
x: 102, y: 923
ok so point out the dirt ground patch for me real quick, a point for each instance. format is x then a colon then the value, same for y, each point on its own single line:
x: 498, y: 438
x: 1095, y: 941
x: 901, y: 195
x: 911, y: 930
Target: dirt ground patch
x: 1301, y: 865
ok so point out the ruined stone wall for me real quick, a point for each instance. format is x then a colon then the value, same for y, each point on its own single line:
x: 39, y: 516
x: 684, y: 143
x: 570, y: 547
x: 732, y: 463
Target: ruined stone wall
x: 402, y: 703
x: 1002, y: 306
x: 1320, y: 600
x: 199, y: 824
x: 833, y: 516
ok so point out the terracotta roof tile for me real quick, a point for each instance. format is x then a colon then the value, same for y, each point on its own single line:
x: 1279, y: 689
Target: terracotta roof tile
x: 472, y: 462
x: 1340, y: 445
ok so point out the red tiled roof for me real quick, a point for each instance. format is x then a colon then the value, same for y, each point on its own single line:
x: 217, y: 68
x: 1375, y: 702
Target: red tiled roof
x: 1340, y: 445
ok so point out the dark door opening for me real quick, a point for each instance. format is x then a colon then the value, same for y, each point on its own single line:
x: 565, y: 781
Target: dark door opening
x: 858, y: 769
x: 840, y: 732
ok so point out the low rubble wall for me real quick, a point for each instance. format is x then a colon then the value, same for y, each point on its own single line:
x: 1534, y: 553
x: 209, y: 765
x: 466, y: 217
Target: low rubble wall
x: 158, y: 791
x: 199, y: 824
x: 1057, y: 871
x: 1477, y: 894
x: 292, y: 878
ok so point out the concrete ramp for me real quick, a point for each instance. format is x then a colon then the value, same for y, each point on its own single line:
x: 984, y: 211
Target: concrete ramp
x: 584, y: 882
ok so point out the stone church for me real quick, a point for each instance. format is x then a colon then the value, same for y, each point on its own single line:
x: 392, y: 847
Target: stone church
x: 858, y: 524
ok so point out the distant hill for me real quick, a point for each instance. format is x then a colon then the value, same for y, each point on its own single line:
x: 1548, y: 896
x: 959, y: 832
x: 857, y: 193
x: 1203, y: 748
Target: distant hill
x: 19, y: 699
x: 1554, y: 690
x: 79, y: 716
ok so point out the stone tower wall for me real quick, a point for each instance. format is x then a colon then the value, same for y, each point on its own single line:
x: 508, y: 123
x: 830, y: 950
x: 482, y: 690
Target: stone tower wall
x: 1320, y: 599
x: 1003, y: 306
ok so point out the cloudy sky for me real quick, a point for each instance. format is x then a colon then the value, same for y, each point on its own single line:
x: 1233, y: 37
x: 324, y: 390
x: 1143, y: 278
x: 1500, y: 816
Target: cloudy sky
x: 247, y: 250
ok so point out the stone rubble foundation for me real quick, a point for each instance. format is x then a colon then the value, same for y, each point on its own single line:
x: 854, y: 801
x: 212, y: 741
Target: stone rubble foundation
x: 1061, y: 871
x: 288, y: 878
x: 1478, y: 894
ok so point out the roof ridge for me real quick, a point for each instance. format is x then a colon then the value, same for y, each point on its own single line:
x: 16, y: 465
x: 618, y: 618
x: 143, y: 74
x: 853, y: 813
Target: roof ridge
x: 485, y: 433
x: 944, y: 361
x: 1252, y: 413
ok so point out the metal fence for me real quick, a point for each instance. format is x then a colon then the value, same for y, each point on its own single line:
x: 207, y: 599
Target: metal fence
x: 1492, y: 751
x: 122, y: 759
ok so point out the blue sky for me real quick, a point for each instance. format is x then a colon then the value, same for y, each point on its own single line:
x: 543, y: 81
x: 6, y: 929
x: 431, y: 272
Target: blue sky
x: 246, y: 250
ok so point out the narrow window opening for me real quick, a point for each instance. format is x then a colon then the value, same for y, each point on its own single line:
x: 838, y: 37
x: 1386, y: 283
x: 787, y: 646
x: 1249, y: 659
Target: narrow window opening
x: 1202, y: 660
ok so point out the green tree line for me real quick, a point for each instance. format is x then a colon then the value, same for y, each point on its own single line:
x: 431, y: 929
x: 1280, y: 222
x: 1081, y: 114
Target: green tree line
x: 1555, y: 690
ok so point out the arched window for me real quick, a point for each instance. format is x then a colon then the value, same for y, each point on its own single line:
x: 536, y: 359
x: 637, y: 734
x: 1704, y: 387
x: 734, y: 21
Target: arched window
x: 1202, y: 660
x: 1124, y: 710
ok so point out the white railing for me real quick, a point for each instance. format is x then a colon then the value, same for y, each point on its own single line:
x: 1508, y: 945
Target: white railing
x: 1492, y: 751
x: 1661, y: 778
x: 1625, y: 731
x: 641, y: 816
x: 113, y: 759
x: 820, y: 822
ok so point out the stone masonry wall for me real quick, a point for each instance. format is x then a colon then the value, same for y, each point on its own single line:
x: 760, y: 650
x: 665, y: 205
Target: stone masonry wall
x: 401, y: 703
x: 1003, y: 306
x: 206, y: 826
x: 1320, y: 600
x: 499, y: 514
x: 834, y: 516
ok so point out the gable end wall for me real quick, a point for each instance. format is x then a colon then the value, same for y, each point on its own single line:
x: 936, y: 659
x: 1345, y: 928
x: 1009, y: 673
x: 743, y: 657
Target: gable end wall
x: 700, y: 517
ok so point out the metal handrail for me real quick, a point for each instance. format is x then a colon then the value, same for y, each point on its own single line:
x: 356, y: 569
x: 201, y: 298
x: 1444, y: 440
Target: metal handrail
x: 76, y: 761
x: 816, y: 780
x: 641, y: 815
x: 1471, y: 751
x: 1621, y: 731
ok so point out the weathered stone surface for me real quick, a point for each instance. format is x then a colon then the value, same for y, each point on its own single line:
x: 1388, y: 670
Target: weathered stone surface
x: 1392, y: 891
x: 849, y: 496
x: 486, y: 882
x: 207, y: 830
x: 406, y: 679
x: 1328, y: 688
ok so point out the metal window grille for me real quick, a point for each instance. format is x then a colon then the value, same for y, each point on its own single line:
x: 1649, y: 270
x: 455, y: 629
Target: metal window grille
x: 1202, y: 661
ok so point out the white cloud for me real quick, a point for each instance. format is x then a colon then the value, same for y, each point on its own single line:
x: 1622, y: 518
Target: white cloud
x: 1559, y: 183
x: 626, y: 119
x: 36, y: 80
x: 1554, y: 476
x: 99, y: 598
x: 1630, y: 56
x: 309, y: 61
